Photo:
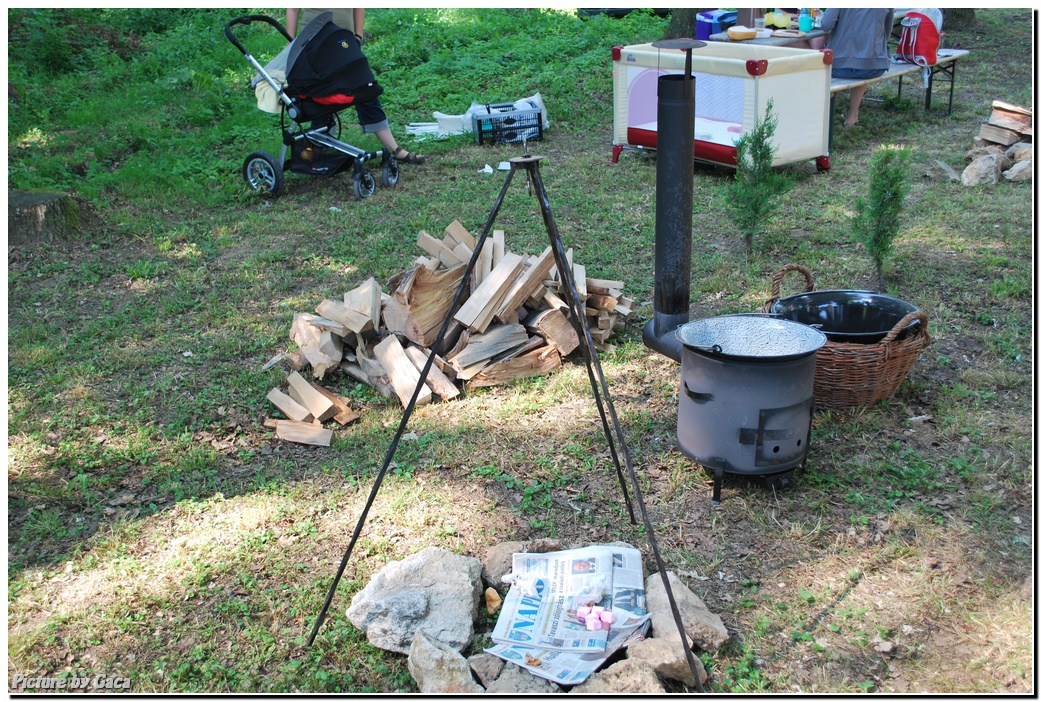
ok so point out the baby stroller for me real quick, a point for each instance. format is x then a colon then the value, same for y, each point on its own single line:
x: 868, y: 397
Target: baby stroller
x: 319, y: 74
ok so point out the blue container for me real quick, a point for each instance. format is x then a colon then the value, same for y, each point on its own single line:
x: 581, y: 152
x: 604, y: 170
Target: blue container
x: 714, y: 22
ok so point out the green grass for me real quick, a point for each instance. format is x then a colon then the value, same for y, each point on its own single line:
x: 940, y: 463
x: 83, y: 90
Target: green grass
x: 158, y: 530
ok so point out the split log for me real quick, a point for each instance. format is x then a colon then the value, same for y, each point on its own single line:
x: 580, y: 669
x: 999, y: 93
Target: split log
x: 376, y: 375
x: 403, y: 374
x: 534, y: 363
x: 999, y: 135
x: 497, y: 340
x: 529, y: 281
x: 498, y: 246
x: 478, y: 311
x: 421, y: 302
x: 441, y: 384
x: 303, y: 433
x: 461, y: 234
x: 438, y: 249
x: 321, y: 349
x: 320, y: 407
x: 341, y: 314
x: 288, y: 406
x: 344, y: 414
x: 366, y: 300
x: 555, y: 328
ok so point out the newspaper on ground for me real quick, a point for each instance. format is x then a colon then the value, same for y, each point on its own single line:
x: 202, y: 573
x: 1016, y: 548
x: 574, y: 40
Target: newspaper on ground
x: 539, y: 627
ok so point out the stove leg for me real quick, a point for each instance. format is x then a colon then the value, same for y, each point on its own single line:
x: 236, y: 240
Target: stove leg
x: 717, y: 485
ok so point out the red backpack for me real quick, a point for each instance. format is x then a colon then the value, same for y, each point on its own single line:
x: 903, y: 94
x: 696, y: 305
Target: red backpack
x: 920, y: 38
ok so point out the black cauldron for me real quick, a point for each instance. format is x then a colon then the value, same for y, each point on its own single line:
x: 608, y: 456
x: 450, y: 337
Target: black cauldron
x: 846, y: 316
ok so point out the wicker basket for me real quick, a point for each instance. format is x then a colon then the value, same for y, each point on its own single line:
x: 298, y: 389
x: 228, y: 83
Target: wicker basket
x: 859, y: 375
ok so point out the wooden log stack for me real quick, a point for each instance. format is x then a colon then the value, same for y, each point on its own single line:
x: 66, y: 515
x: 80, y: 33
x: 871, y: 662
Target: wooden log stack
x: 1007, y: 125
x: 512, y: 322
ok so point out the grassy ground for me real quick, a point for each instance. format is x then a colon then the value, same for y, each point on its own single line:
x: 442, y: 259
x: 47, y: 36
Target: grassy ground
x: 157, y: 531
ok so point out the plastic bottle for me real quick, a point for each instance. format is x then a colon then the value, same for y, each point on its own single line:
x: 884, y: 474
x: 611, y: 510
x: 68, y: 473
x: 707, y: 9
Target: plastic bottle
x: 805, y: 20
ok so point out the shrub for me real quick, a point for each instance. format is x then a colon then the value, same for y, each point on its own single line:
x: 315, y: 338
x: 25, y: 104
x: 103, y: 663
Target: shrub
x: 877, y: 221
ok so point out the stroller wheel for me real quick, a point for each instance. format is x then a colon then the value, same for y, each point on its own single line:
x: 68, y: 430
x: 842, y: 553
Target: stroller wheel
x: 389, y: 170
x: 263, y: 174
x: 364, y: 184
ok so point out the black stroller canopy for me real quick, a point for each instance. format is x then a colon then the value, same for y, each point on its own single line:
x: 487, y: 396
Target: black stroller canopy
x: 326, y: 59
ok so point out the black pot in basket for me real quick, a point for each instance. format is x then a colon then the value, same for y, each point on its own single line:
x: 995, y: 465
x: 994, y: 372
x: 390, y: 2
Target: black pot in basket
x: 846, y: 316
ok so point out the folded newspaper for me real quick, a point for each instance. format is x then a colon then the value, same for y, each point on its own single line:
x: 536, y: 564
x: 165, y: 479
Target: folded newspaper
x: 539, y: 627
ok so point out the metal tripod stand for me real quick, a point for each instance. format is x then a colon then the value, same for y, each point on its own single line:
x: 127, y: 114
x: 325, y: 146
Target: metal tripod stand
x: 597, y: 381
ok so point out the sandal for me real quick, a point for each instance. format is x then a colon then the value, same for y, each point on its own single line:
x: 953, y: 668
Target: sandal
x: 408, y: 157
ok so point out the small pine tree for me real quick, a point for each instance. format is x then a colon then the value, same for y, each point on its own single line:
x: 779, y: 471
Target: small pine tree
x: 877, y: 221
x: 752, y: 197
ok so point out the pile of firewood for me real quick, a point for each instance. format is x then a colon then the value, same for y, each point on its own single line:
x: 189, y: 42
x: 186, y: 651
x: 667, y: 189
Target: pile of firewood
x: 1007, y: 125
x: 512, y: 323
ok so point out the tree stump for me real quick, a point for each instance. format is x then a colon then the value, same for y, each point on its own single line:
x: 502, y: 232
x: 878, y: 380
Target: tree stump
x: 41, y: 217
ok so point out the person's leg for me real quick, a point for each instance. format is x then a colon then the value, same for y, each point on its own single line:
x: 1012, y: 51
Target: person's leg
x: 856, y: 96
x: 373, y: 120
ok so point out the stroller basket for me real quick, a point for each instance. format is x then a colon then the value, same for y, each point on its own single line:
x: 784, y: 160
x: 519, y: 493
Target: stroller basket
x: 318, y: 75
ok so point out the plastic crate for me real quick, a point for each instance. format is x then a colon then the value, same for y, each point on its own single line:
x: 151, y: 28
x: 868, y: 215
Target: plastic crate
x: 504, y: 124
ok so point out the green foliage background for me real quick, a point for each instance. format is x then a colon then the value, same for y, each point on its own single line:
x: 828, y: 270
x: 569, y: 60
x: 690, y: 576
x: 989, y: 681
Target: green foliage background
x: 155, y: 104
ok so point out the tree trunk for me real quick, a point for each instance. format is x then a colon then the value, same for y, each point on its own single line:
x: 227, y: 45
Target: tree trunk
x: 683, y: 23
x: 958, y: 17
x: 41, y: 217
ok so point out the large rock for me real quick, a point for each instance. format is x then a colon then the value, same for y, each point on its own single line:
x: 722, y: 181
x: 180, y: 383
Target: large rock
x: 705, y: 628
x: 486, y: 667
x: 435, y: 591
x: 515, y: 680
x: 1023, y: 170
x: 498, y: 561
x: 668, y: 659
x: 439, y: 669
x: 629, y: 676
x: 985, y: 170
x: 1020, y: 151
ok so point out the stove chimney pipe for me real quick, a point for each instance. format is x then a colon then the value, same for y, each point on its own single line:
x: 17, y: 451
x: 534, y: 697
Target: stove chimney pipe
x: 674, y: 206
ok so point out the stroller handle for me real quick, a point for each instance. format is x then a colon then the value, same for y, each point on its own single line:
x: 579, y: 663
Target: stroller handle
x: 250, y: 19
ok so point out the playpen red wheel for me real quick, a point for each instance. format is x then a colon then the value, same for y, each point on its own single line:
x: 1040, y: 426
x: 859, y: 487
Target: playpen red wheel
x: 263, y: 174
x: 823, y: 163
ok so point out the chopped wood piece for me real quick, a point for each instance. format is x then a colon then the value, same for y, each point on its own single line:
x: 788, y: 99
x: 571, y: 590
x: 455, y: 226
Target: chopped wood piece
x: 535, y: 363
x: 602, y: 302
x: 529, y: 281
x: 275, y: 360
x: 436, y: 248
x: 556, y: 302
x: 403, y: 374
x: 289, y: 407
x: 599, y: 286
x: 999, y: 135
x: 478, y: 311
x: 341, y: 314
x: 436, y: 379
x: 270, y: 423
x: 321, y: 349
x: 498, y: 246
x: 329, y: 325
x: 421, y: 302
x: 498, y: 339
x: 555, y: 328
x: 303, y: 433
x: 375, y: 372
x: 344, y: 414
x: 317, y: 404
x: 295, y: 360
x: 461, y: 234
x: 366, y: 300
x: 579, y: 273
